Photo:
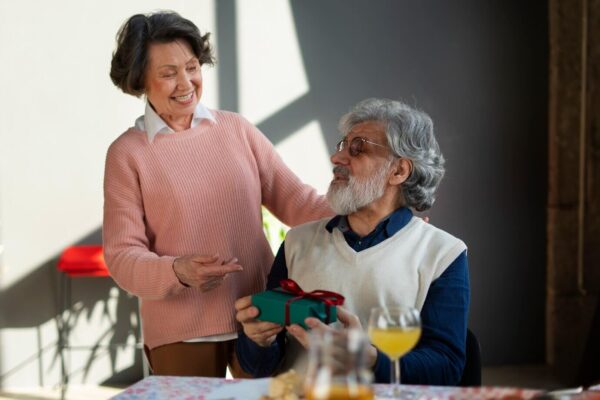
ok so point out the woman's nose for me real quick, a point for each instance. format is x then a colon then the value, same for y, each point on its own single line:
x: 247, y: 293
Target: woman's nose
x: 184, y: 81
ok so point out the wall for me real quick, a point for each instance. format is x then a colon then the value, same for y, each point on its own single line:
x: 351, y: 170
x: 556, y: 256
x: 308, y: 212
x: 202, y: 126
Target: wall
x: 292, y: 68
x: 58, y: 113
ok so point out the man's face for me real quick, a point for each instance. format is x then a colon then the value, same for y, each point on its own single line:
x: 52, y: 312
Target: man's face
x: 362, y: 169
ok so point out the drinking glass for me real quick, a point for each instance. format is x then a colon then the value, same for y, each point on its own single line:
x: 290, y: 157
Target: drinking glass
x: 337, y: 367
x: 395, y: 330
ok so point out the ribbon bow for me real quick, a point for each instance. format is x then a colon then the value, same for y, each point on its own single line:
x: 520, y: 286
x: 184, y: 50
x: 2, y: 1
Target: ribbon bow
x: 326, y: 297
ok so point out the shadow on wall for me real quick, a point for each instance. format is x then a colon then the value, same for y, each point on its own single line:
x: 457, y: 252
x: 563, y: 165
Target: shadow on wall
x: 35, y: 300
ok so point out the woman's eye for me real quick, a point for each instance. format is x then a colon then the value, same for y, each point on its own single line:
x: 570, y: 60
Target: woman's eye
x: 168, y: 76
x: 193, y: 68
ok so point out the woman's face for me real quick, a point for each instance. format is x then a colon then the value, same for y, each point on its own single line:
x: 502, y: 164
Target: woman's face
x: 173, y: 81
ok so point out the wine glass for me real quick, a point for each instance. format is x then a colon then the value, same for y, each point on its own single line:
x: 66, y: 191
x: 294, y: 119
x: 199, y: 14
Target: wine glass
x: 395, y: 330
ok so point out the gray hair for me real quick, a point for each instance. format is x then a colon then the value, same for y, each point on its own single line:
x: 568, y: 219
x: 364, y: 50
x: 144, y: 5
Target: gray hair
x: 410, y: 135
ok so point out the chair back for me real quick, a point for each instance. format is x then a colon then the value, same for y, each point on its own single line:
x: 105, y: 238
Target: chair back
x: 472, y: 373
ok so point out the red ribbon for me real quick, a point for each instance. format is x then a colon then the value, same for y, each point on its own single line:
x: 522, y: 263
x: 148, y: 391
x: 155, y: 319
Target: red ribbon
x: 326, y: 297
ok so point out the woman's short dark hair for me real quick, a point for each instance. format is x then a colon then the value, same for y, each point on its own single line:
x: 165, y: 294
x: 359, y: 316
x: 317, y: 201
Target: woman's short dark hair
x: 130, y: 59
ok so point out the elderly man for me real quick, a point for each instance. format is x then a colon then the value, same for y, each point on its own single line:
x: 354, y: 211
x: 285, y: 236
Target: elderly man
x: 375, y: 252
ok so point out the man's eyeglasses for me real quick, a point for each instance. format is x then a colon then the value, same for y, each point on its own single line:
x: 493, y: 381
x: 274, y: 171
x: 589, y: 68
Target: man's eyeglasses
x: 355, y: 147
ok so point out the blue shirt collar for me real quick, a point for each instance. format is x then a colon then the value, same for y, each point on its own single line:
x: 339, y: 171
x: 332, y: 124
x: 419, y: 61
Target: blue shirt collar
x: 153, y: 124
x: 392, y: 223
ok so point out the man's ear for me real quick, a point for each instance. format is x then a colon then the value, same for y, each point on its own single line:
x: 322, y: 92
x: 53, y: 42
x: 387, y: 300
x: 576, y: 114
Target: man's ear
x: 401, y: 171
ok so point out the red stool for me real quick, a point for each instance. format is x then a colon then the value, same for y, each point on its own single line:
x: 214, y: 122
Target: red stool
x: 84, y: 260
x: 75, y: 262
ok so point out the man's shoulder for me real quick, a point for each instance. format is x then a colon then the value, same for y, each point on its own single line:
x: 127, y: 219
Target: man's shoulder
x: 433, y: 234
x: 308, y: 228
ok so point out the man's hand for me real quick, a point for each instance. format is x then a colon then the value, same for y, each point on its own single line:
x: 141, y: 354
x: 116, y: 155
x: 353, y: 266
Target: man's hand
x: 260, y: 332
x: 349, y: 320
x: 203, y: 271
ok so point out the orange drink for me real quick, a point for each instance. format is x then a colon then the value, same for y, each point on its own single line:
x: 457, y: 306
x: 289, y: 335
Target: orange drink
x: 395, y: 330
x: 394, y: 341
x: 340, y: 392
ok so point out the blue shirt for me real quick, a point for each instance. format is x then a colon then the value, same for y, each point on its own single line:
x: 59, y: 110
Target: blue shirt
x: 438, y: 358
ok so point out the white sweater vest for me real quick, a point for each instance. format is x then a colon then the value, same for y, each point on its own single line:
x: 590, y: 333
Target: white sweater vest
x: 398, y: 270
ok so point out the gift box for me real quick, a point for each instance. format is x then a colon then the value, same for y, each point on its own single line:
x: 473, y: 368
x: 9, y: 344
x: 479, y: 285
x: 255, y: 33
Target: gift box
x: 289, y: 304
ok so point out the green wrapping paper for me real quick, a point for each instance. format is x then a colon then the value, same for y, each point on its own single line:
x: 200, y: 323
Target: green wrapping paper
x: 272, y: 304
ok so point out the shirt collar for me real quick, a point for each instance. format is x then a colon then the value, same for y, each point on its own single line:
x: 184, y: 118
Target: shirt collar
x: 153, y: 124
x: 392, y: 223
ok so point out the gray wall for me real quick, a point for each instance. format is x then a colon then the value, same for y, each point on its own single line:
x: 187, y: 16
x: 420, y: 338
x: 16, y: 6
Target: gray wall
x: 479, y: 69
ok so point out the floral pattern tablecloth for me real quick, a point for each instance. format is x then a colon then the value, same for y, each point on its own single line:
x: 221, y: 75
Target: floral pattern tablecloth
x: 196, y: 388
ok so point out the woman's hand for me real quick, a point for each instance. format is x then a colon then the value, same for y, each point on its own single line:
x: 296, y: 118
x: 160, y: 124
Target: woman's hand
x: 349, y: 320
x: 260, y: 332
x: 204, y: 272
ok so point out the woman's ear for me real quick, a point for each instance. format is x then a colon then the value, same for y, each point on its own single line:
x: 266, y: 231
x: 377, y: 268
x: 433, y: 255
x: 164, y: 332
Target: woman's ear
x: 401, y: 171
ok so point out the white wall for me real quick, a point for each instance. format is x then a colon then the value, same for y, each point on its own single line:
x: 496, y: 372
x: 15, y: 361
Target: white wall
x: 59, y: 112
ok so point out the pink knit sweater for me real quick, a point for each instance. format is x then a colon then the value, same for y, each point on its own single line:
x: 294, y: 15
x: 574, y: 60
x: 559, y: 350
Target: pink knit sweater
x: 195, y: 192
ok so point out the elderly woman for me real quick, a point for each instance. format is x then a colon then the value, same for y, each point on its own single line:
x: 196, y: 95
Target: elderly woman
x: 183, y: 190
x: 375, y: 252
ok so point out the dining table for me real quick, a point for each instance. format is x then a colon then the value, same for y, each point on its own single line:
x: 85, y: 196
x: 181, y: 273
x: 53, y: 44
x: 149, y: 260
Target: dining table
x: 200, y: 388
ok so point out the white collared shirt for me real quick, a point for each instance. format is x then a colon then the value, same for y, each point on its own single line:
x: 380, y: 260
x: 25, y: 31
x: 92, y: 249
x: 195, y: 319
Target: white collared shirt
x: 153, y: 124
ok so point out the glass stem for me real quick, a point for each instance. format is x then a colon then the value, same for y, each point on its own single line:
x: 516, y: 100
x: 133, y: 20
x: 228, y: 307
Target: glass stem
x: 397, y: 371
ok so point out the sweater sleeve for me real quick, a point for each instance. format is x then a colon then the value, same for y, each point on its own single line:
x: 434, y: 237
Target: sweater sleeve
x: 283, y: 193
x: 439, y: 357
x: 132, y: 265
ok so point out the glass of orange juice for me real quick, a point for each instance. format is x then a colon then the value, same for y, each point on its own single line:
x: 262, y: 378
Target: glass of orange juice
x: 395, y: 330
x: 337, y: 366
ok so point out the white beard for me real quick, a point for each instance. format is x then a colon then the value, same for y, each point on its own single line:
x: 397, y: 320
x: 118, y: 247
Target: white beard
x: 347, y: 198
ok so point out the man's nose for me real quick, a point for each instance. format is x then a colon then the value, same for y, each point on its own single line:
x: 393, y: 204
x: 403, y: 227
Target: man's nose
x: 340, y: 157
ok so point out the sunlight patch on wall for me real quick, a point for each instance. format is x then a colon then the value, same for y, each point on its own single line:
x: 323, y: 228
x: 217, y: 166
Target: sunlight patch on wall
x: 271, y: 69
x: 306, y: 153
